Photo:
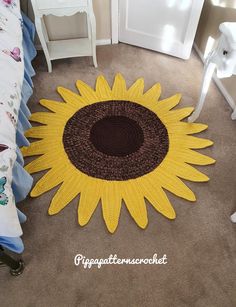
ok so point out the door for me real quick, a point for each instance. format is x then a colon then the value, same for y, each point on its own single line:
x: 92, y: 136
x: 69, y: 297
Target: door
x: 168, y: 26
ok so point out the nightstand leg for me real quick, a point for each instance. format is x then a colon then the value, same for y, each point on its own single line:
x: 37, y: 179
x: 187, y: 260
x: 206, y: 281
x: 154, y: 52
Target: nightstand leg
x: 88, y: 27
x: 45, y: 32
x: 38, y: 25
x: 93, y: 37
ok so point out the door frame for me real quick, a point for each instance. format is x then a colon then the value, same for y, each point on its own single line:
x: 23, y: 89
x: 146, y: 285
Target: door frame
x: 114, y: 21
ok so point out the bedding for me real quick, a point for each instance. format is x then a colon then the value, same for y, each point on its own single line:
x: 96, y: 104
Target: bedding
x: 16, y: 53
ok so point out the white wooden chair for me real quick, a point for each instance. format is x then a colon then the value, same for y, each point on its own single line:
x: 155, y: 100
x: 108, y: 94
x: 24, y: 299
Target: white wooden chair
x: 71, y: 47
x: 222, y: 59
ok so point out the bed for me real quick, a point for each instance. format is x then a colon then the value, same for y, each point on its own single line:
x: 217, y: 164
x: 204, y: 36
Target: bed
x: 16, y: 53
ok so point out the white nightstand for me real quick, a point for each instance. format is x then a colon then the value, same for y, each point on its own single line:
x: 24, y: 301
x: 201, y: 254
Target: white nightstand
x: 65, y: 48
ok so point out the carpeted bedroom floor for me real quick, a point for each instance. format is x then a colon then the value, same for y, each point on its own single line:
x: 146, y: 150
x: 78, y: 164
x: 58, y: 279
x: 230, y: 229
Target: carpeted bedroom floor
x: 200, y: 244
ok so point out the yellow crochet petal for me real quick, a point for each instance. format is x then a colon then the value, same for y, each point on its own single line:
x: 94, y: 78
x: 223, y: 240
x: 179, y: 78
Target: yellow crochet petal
x: 54, y: 106
x: 72, y: 99
x: 70, y: 188
x: 45, y: 162
x: 89, y: 199
x: 40, y: 164
x: 183, y: 170
x: 153, y: 94
x: 87, y: 92
x: 135, y: 203
x: 136, y: 90
x: 193, y: 157
x: 167, y: 104
x: 111, y: 204
x: 103, y: 89
x: 48, y: 118
x: 172, y: 184
x: 49, y: 181
x: 193, y: 142
x: 119, y: 88
x: 40, y: 147
x: 156, y: 196
x: 40, y: 132
x: 185, y: 128
x: 174, y: 116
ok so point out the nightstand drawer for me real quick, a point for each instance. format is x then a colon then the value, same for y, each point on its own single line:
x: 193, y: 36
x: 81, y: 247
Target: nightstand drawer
x: 56, y: 4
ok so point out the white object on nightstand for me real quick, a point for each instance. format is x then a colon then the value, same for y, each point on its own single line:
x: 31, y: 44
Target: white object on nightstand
x: 60, y: 49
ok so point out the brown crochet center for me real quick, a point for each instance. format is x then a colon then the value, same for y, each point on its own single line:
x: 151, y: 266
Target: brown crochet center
x: 115, y: 140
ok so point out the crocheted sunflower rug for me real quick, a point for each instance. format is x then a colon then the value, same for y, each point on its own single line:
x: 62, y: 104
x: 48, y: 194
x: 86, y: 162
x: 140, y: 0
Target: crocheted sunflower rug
x: 114, y: 144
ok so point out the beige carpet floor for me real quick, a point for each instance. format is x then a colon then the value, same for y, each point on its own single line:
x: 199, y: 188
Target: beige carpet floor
x: 200, y: 244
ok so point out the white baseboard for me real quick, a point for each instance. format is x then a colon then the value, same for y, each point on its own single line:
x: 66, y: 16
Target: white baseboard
x: 218, y: 82
x: 99, y: 42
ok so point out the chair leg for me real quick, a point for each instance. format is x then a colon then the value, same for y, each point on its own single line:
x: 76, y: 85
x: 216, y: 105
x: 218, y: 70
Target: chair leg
x: 233, y: 115
x: 208, y: 72
x: 43, y: 39
x: 233, y: 217
x: 16, y: 266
